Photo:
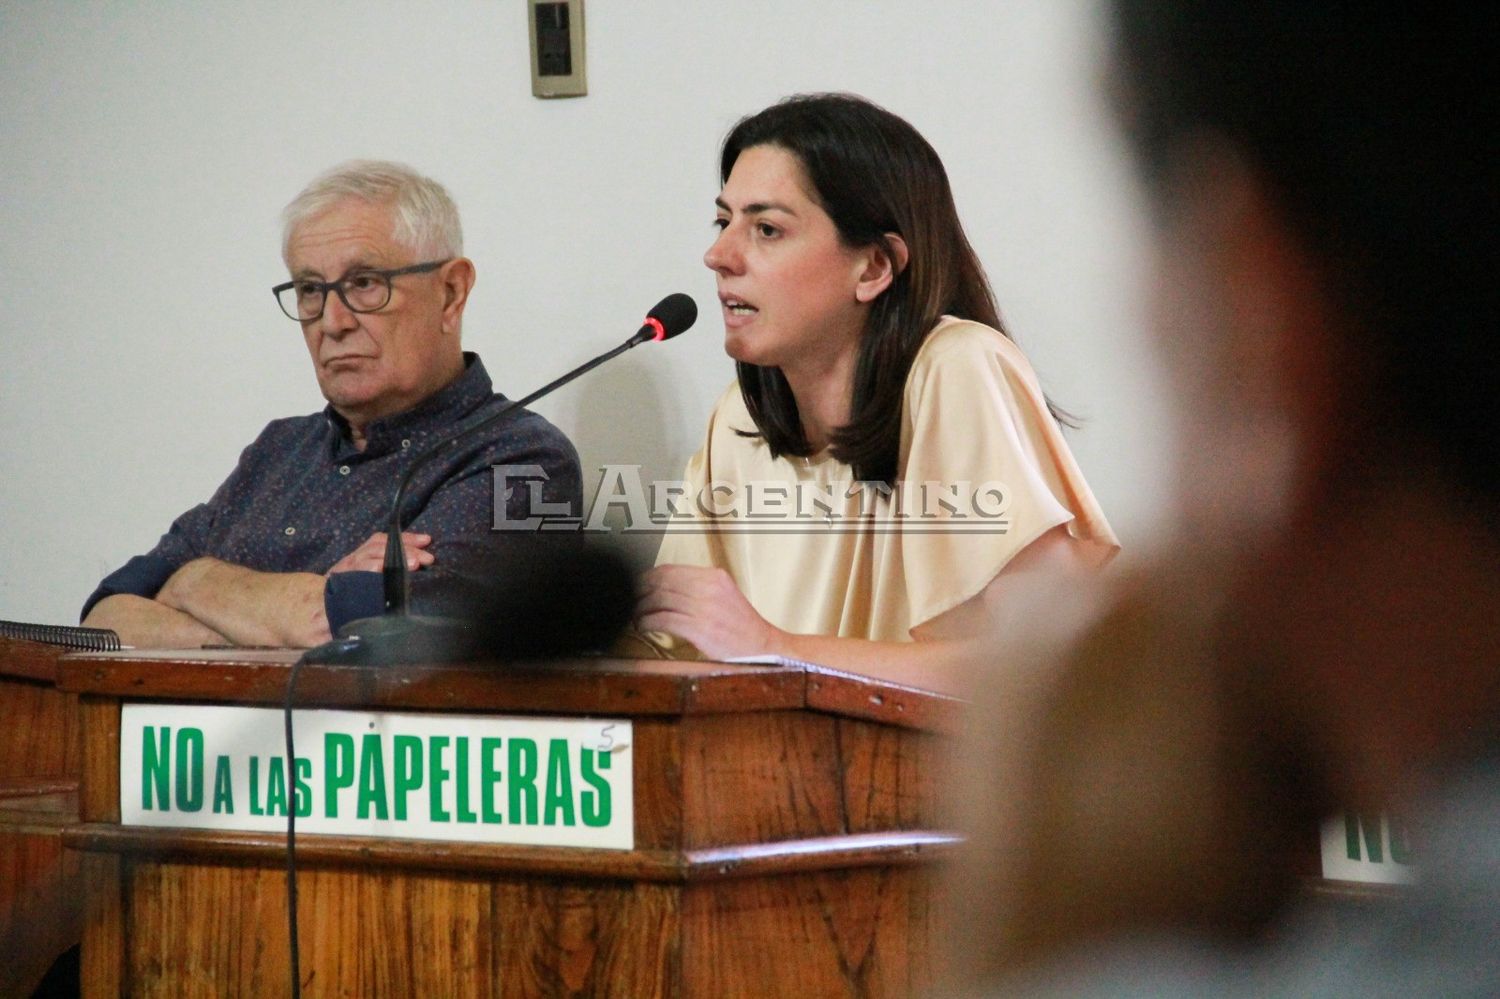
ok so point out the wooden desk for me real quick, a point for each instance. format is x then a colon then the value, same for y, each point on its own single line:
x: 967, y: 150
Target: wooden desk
x: 786, y: 821
x: 40, y: 753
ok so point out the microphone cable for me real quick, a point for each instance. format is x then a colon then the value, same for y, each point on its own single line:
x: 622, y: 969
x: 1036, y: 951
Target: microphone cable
x: 671, y: 316
x: 294, y: 953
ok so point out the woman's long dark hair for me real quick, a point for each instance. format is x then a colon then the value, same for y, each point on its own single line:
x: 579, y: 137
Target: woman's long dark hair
x: 873, y: 174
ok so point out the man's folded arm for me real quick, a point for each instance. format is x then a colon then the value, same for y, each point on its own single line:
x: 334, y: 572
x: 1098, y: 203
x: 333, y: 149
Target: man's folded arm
x: 186, y: 598
x: 145, y: 623
x: 209, y: 601
x: 123, y: 600
x: 171, y: 598
x: 249, y: 607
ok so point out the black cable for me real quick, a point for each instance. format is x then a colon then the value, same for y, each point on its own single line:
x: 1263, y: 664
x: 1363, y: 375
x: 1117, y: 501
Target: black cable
x: 291, y: 834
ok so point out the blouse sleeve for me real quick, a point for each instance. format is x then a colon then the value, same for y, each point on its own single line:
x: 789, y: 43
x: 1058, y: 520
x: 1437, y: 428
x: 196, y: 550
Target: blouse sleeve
x: 987, y: 470
x: 684, y: 547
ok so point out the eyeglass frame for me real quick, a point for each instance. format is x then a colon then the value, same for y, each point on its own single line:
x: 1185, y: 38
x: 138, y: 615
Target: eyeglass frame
x: 336, y: 287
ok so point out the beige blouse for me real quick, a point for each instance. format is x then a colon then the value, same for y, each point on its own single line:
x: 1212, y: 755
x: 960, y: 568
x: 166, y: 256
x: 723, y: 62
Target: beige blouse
x: 983, y: 471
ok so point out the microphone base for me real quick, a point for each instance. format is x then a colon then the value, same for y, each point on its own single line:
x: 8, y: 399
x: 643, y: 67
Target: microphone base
x: 400, y: 640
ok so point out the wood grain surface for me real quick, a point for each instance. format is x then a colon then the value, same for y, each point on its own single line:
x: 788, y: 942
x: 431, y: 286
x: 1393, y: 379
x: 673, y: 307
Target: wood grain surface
x: 666, y: 866
x: 856, y: 933
x: 783, y: 847
x: 41, y: 901
x: 39, y: 732
x: 41, y: 745
x: 581, y: 686
x: 576, y: 686
x: 207, y: 930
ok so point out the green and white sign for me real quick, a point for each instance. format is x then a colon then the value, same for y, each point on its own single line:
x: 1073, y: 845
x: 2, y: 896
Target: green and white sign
x: 1375, y: 849
x: 479, y: 779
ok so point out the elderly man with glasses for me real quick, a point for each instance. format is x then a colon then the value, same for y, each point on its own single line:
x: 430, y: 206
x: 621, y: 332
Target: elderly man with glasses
x: 290, y: 546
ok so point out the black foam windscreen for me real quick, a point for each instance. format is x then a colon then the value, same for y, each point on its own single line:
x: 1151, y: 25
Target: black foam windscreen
x: 676, y: 313
x: 549, y: 595
x: 526, y: 596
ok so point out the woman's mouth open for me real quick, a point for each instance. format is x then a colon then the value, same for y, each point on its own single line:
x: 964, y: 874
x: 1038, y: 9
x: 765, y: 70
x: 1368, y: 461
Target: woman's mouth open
x: 736, y: 310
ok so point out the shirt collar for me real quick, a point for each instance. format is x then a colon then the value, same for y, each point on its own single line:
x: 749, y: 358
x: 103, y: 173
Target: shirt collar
x: 433, y: 415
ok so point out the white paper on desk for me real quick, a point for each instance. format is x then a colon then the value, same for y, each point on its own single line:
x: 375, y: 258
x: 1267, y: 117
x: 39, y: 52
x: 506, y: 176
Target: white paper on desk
x: 766, y: 659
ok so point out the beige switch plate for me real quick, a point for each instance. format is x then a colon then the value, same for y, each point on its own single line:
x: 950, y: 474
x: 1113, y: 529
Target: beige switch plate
x: 575, y: 82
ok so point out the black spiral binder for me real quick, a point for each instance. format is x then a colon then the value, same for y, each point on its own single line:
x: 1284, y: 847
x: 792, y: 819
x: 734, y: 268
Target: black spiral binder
x: 86, y: 639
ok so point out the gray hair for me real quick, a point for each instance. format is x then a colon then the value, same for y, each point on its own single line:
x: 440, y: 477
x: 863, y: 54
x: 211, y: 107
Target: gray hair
x: 424, y: 217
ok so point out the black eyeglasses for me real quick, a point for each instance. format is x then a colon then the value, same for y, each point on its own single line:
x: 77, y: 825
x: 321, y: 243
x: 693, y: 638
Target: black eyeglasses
x: 360, y: 291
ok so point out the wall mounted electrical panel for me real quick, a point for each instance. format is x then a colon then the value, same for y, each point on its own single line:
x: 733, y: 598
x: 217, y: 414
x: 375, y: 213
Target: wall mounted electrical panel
x: 557, y: 56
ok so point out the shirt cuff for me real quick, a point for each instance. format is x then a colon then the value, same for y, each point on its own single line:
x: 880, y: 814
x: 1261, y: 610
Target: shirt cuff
x: 142, y: 576
x: 349, y: 596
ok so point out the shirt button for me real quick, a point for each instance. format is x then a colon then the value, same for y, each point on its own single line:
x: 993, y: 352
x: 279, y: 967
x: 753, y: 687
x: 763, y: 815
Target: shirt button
x: 405, y: 445
x: 289, y: 531
x: 343, y: 469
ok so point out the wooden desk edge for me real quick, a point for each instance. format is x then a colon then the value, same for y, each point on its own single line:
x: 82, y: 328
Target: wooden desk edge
x: 901, y: 848
x: 1337, y: 890
x: 575, y: 686
x: 29, y: 660
x: 854, y: 695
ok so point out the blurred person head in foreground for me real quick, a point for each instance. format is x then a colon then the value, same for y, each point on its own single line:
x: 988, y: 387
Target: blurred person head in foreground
x: 1326, y: 632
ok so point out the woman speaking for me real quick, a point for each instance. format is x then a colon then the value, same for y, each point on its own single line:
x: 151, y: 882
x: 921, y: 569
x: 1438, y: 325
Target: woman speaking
x: 885, y: 466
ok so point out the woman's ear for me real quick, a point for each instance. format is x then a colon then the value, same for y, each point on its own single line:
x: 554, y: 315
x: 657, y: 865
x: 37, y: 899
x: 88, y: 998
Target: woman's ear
x: 885, y: 260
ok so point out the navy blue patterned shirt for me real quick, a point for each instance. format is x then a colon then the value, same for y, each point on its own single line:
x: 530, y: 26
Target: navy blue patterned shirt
x: 302, y: 497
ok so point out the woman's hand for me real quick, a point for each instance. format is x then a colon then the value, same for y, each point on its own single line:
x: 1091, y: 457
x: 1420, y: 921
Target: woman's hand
x: 705, y: 607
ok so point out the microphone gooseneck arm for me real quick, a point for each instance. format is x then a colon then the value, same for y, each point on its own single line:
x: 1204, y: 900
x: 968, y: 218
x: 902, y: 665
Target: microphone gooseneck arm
x: 672, y: 315
x: 394, y: 573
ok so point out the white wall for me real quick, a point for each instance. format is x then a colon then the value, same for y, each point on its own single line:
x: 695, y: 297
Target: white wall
x: 146, y: 150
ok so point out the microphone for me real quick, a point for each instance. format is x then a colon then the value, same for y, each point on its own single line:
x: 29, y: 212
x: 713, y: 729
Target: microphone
x: 669, y: 317
x: 398, y: 635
